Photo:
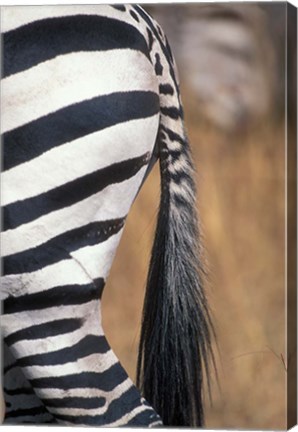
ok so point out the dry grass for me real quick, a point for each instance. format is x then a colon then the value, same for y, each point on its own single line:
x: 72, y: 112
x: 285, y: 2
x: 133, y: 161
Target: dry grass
x: 241, y: 199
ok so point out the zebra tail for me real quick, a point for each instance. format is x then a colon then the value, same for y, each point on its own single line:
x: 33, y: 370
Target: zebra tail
x: 175, y: 342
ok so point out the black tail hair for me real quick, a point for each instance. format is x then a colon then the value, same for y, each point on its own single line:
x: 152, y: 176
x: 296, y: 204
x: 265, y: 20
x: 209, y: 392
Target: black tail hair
x: 175, y: 343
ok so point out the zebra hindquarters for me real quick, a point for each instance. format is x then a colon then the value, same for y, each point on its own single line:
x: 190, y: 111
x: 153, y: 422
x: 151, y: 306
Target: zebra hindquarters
x: 79, y: 131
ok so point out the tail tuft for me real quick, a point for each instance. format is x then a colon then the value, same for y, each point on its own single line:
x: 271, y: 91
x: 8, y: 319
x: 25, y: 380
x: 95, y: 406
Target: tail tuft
x: 175, y: 343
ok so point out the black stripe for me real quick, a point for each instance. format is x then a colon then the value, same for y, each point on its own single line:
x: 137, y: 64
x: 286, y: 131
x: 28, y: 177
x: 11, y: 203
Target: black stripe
x: 171, y: 112
x: 42, y: 40
x: 75, y: 121
x: 158, y: 65
x: 105, y: 381
x: 171, y: 57
x: 19, y: 391
x: 52, y: 420
x: 75, y: 402
x: 24, y: 211
x: 166, y: 89
x: 10, y: 367
x: 26, y: 412
x: 45, y: 330
x: 173, y: 136
x: 175, y: 155
x: 180, y: 201
x: 119, y: 7
x: 134, y: 15
x: 182, y: 175
x: 60, y: 247
x: 150, y: 39
x: 65, y: 295
x: 120, y: 406
x: 159, y: 30
x: 89, y: 345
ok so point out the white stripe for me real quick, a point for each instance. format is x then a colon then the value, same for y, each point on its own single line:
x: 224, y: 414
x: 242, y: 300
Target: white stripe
x: 156, y: 423
x: 65, y: 272
x: 78, y: 158
x: 181, y: 164
x: 128, y: 416
x: 112, y: 202
x: 173, y: 125
x: 101, y: 411
x: 183, y: 189
x: 71, y: 78
x: 110, y: 396
x: 97, y: 363
x: 174, y: 145
x: 89, y: 312
x: 86, y: 392
x: 13, y: 16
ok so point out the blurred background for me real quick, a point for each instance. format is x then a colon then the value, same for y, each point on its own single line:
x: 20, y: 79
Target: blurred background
x: 231, y: 63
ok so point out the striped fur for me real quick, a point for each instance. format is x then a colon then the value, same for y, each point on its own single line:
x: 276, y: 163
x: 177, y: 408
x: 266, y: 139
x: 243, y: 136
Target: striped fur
x: 87, y: 92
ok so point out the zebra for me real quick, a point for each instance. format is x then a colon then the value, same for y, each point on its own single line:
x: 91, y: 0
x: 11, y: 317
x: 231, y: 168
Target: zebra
x: 90, y: 101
